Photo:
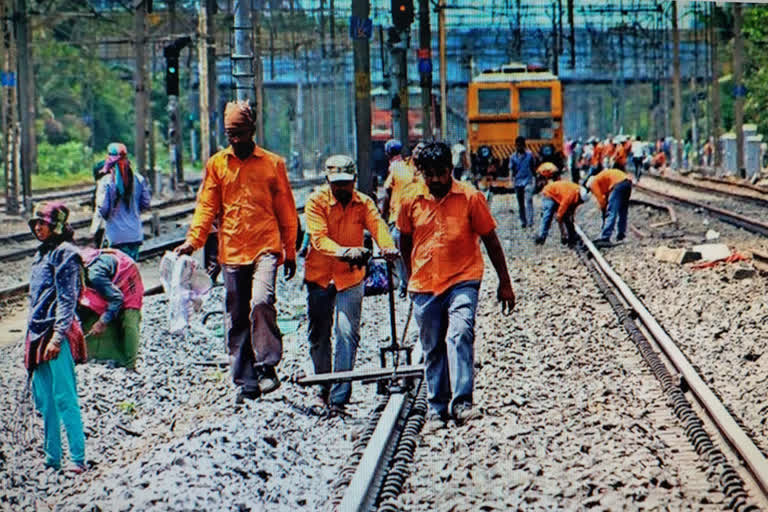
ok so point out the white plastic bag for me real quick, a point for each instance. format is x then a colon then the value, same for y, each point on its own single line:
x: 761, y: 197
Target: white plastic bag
x: 184, y: 283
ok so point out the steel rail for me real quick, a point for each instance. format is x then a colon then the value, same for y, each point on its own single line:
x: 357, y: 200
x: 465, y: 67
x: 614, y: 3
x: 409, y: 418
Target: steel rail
x: 730, y: 217
x: 699, y: 186
x: 362, y: 491
x: 726, y: 424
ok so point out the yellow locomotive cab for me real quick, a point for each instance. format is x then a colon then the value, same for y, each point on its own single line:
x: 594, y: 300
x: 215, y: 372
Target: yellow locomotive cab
x: 510, y: 101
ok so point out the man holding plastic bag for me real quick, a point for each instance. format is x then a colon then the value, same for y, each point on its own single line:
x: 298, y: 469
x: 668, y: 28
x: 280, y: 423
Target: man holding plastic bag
x: 247, y: 188
x: 336, y: 216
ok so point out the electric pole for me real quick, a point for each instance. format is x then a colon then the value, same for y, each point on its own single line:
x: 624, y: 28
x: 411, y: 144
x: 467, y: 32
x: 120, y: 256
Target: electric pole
x: 26, y: 108
x: 9, y: 144
x: 715, y: 89
x: 140, y: 81
x: 678, y: 110
x: 443, y: 85
x: 739, y: 89
x: 207, y: 84
x: 425, y: 69
x: 362, y: 69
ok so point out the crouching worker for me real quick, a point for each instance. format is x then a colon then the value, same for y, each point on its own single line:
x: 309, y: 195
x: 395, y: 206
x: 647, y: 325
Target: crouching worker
x: 441, y: 221
x: 111, y: 306
x: 336, y: 216
x: 612, y: 189
x: 560, y: 200
x: 54, y: 339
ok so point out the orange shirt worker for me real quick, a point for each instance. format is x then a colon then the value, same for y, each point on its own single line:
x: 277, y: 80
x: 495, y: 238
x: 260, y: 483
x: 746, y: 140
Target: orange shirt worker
x: 336, y: 216
x: 246, y: 188
x: 440, y: 222
x: 612, y: 189
x: 559, y: 200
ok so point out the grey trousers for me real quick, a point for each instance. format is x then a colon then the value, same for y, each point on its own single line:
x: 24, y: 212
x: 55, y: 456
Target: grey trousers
x: 253, y: 337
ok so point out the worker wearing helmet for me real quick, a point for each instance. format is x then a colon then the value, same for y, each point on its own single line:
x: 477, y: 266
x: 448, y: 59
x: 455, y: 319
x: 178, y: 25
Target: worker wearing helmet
x: 336, y: 216
x: 560, y: 200
x: 612, y: 189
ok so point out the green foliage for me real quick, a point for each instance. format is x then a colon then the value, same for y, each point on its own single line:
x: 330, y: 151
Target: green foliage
x: 79, y: 97
x: 67, y: 158
x: 127, y: 407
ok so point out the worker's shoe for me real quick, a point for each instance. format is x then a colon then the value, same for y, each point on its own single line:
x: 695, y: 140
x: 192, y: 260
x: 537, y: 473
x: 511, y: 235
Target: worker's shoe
x: 319, y: 406
x: 464, y: 412
x: 601, y: 242
x: 539, y: 240
x: 620, y: 238
x: 243, y: 395
x: 75, y: 468
x: 268, y: 380
x: 435, y: 421
x: 337, y: 410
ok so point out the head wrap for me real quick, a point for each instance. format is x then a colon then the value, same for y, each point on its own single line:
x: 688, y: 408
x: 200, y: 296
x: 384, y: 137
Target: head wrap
x: 53, y: 213
x: 117, y: 156
x: 238, y: 115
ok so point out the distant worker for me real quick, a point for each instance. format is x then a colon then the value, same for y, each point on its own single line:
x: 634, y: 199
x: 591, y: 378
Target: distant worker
x: 620, y: 154
x: 126, y: 195
x: 247, y: 188
x: 401, y: 175
x: 638, y: 154
x: 707, y: 152
x: 522, y: 164
x: 459, y: 159
x: 54, y: 339
x: 441, y: 220
x: 336, y: 216
x: 596, y: 160
x: 560, y: 200
x: 110, y: 306
x: 659, y: 160
x: 611, y: 189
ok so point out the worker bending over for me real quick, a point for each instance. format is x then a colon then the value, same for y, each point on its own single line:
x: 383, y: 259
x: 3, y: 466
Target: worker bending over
x: 611, y: 189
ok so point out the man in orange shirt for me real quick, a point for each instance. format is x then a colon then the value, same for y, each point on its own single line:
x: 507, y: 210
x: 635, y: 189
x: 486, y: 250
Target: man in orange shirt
x: 611, y: 189
x: 247, y: 189
x: 401, y: 175
x: 440, y: 222
x: 336, y: 215
x: 560, y: 199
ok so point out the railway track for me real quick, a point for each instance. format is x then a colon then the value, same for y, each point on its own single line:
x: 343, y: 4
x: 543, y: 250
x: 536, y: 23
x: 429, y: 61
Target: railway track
x: 736, y: 463
x: 149, y: 250
x: 741, y: 191
x: 730, y: 217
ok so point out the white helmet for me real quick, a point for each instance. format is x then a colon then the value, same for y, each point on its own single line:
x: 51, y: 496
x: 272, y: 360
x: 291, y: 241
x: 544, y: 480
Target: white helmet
x: 588, y: 184
x: 340, y: 168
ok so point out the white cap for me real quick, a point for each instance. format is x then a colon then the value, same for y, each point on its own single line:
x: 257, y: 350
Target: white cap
x: 340, y: 168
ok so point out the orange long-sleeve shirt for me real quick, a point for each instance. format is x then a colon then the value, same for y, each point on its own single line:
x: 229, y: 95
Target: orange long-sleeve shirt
x: 565, y: 194
x: 401, y: 175
x: 604, y: 182
x: 446, y: 246
x: 331, y: 227
x: 254, y: 203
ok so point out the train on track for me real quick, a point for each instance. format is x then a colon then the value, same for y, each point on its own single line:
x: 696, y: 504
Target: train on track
x: 503, y: 103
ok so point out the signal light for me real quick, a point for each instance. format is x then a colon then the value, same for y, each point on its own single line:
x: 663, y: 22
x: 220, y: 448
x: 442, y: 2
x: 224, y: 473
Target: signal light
x: 402, y: 14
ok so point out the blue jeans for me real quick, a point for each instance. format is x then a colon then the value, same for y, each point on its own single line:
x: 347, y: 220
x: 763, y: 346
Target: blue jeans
x: 348, y: 304
x: 54, y: 387
x: 402, y: 275
x: 548, y: 209
x: 618, y: 207
x: 447, y: 333
x: 525, y: 203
